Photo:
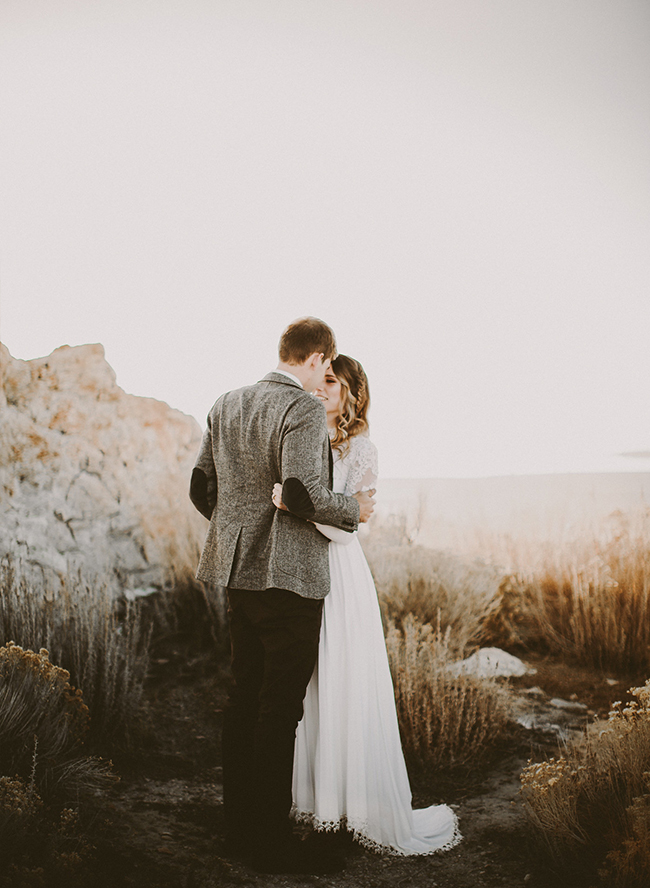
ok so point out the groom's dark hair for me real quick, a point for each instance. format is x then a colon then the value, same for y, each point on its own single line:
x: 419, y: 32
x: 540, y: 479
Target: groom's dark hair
x: 305, y: 337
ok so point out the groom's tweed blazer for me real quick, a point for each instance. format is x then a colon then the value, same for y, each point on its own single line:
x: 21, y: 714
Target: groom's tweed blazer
x: 273, y: 431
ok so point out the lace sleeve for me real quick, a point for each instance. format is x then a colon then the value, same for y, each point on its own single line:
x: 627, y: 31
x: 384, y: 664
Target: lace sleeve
x: 362, y: 475
x: 363, y: 465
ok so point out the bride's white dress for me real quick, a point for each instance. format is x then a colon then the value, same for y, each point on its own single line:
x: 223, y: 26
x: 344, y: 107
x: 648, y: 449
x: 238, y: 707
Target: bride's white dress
x: 349, y: 767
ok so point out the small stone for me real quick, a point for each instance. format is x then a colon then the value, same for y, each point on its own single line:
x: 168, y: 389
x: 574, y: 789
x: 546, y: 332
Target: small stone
x: 569, y: 705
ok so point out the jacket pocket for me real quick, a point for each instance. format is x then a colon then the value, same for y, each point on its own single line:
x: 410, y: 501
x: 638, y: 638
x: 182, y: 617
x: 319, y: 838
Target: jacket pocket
x: 298, y: 549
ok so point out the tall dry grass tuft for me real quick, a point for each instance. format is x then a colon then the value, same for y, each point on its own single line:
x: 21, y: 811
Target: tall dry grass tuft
x: 584, y: 595
x: 592, y: 600
x: 445, y: 719
x: 591, y: 806
x: 189, y: 608
x: 435, y: 586
x: 103, y: 646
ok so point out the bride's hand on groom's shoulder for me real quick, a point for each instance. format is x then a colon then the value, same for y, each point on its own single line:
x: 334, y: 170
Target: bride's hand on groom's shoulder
x: 276, y: 496
x: 366, y: 504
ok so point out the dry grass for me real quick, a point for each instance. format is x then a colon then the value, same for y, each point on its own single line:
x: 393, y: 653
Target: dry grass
x: 189, y: 608
x: 103, y: 647
x: 435, y: 586
x: 584, y: 595
x: 584, y: 598
x: 587, y: 599
x: 43, y: 724
x: 591, y: 806
x: 435, y: 607
x: 445, y: 719
x: 594, y: 602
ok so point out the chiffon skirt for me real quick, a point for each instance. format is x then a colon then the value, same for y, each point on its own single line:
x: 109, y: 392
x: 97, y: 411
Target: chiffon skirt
x: 349, y: 767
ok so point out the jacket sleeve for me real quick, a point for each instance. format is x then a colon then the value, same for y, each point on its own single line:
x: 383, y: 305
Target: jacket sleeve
x: 203, y: 484
x: 302, y: 464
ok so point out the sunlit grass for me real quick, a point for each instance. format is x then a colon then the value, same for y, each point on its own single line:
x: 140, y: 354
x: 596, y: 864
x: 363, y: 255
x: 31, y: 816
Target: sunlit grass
x: 594, y: 601
x: 435, y: 587
x: 584, y: 596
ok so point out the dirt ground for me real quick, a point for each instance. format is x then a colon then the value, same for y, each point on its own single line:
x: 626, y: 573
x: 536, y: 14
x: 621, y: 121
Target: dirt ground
x: 162, y: 825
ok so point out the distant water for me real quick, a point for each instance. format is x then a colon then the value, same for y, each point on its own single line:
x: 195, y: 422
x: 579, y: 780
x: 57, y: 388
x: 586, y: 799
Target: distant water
x: 440, y: 512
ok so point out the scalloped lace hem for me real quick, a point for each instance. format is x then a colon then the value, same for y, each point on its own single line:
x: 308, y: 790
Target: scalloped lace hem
x: 359, y: 832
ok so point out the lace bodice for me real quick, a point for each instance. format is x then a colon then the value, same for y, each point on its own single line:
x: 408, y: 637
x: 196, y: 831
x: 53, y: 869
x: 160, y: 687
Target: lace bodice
x: 357, y: 469
x: 354, y: 471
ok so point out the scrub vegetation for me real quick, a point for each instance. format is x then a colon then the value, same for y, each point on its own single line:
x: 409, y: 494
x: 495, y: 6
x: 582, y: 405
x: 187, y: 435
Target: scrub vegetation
x: 83, y: 677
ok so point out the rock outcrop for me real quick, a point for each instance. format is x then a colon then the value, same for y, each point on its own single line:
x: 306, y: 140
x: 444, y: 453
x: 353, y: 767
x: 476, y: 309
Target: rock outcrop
x: 93, y: 479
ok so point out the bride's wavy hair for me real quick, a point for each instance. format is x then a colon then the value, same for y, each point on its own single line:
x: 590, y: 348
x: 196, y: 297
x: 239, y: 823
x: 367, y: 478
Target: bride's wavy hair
x: 355, y: 401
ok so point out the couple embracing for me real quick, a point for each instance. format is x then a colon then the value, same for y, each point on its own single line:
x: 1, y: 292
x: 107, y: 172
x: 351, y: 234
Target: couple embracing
x: 285, y: 474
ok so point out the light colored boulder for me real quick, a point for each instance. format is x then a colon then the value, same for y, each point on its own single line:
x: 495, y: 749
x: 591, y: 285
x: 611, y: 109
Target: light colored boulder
x: 92, y: 478
x: 491, y: 662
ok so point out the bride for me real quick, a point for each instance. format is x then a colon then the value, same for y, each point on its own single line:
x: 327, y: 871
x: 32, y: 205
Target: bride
x: 349, y: 768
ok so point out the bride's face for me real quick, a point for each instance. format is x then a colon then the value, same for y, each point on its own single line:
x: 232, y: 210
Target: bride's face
x: 330, y: 394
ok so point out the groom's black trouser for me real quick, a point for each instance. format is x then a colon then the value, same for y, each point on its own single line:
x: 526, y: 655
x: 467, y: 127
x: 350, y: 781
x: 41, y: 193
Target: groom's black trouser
x: 274, y: 636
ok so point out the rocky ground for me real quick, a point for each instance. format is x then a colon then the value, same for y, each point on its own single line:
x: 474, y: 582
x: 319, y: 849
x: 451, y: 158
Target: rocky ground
x: 162, y: 824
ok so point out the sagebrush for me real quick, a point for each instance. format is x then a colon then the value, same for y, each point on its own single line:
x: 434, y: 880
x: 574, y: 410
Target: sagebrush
x: 590, y: 806
x: 43, y: 725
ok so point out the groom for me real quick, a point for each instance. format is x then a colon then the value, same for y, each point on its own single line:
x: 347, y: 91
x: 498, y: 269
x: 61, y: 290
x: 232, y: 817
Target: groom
x: 275, y: 567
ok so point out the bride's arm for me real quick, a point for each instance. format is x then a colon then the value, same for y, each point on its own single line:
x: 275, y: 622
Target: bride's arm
x: 335, y: 535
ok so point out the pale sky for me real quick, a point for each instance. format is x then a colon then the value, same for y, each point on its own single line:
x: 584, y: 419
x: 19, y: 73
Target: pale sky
x: 460, y: 188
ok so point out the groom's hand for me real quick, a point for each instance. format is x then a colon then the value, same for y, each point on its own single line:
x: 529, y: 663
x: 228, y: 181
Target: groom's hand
x: 366, y: 504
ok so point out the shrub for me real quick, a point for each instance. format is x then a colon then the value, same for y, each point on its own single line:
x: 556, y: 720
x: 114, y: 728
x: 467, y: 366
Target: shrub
x: 104, y: 649
x: 591, y: 806
x: 43, y: 723
x: 444, y: 718
x: 19, y: 807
